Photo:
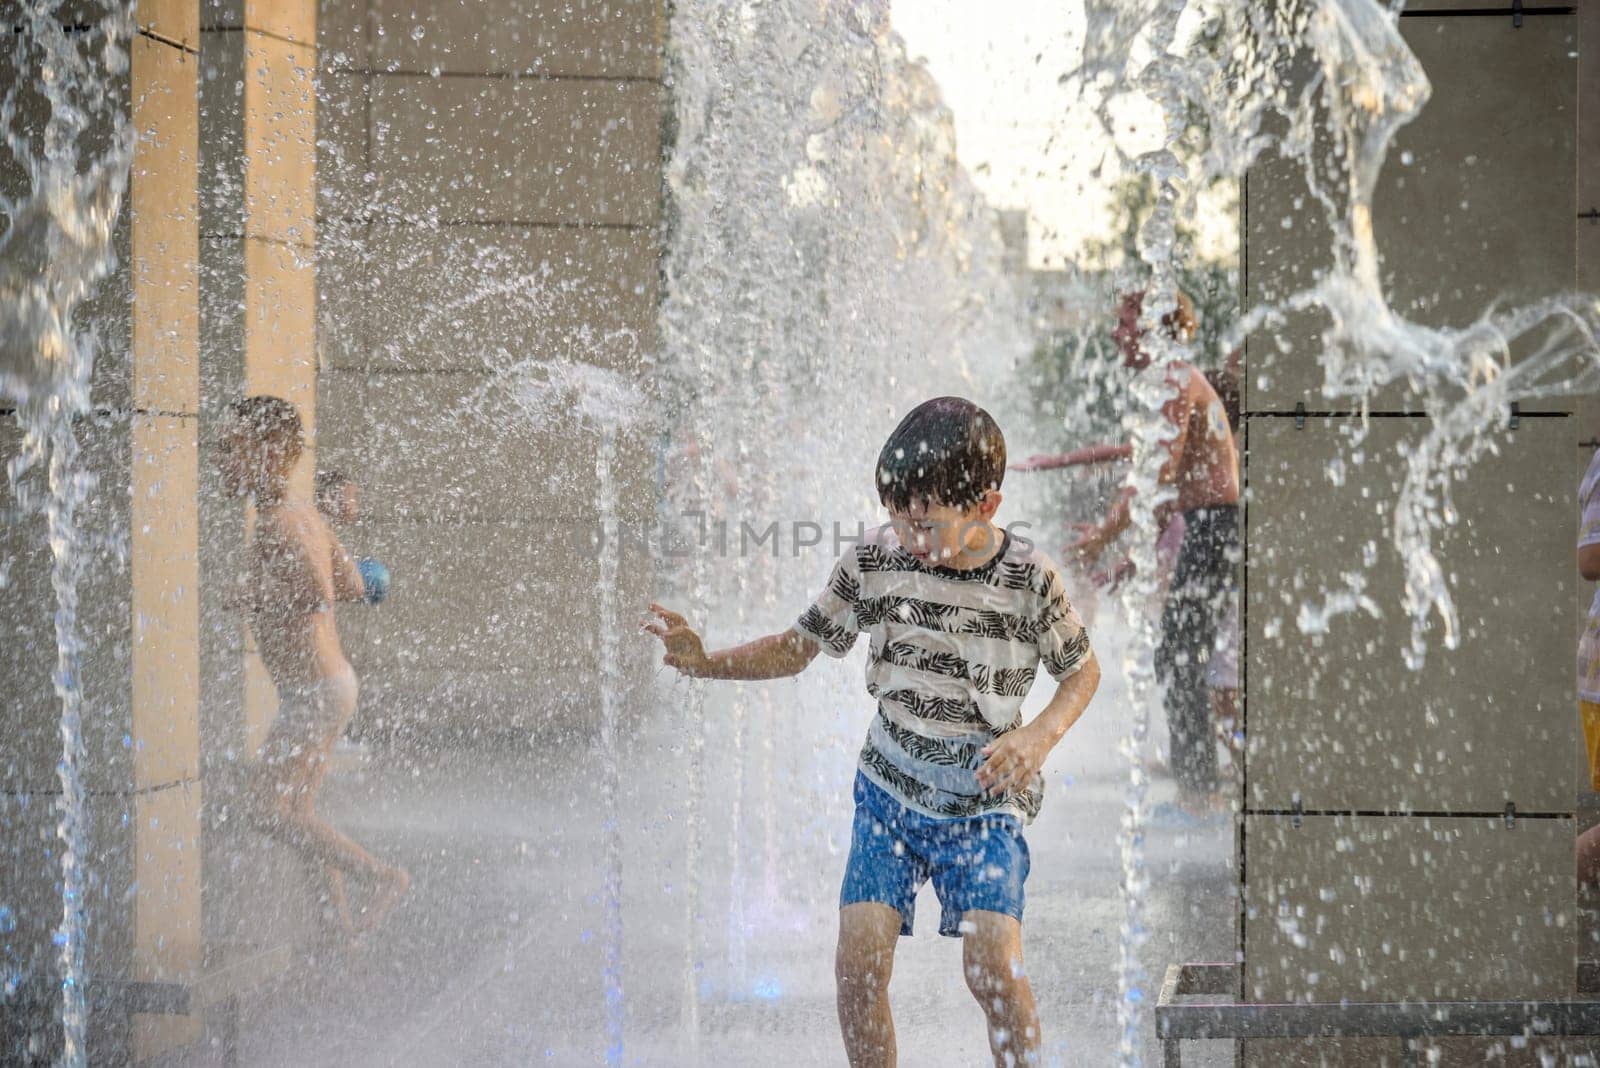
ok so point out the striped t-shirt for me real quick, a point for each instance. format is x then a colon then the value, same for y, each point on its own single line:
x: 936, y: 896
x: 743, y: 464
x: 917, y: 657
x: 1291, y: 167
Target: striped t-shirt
x: 952, y: 655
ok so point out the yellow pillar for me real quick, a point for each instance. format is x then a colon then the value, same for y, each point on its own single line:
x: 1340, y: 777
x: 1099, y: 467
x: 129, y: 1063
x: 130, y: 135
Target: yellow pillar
x: 280, y: 291
x: 163, y: 515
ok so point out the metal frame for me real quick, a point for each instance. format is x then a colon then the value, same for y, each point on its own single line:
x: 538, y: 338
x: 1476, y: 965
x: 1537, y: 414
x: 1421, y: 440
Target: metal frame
x: 1408, y: 1021
x: 231, y: 974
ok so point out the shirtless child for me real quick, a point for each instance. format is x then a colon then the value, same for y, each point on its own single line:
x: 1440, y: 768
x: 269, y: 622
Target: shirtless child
x: 1203, y: 464
x: 295, y: 571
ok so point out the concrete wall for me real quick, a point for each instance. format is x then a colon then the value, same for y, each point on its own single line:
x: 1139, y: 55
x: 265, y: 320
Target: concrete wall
x: 139, y: 615
x: 489, y: 201
x: 1400, y: 877
x: 348, y: 220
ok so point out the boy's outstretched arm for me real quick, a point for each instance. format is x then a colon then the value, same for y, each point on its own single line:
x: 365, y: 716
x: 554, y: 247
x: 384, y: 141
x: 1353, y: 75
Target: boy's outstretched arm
x: 1089, y: 454
x: 775, y: 656
x: 1011, y: 762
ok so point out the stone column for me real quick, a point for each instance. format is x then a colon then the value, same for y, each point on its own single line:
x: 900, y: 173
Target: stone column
x: 1409, y: 835
x: 139, y: 617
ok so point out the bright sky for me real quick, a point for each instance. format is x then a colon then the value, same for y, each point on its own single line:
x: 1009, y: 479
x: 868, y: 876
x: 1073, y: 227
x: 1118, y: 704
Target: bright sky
x: 1023, y: 136
x: 999, y: 65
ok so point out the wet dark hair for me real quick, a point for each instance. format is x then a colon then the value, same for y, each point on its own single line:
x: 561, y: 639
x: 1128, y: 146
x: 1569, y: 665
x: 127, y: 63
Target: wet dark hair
x: 947, y: 450
x: 270, y: 418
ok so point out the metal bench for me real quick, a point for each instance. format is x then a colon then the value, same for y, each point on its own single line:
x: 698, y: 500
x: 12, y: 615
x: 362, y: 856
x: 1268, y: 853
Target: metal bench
x: 230, y: 974
x: 1409, y: 1022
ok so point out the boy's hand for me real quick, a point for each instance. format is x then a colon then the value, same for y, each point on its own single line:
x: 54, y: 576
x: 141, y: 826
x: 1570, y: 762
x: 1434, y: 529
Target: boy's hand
x: 685, y: 651
x: 1010, y: 763
x: 1112, y: 580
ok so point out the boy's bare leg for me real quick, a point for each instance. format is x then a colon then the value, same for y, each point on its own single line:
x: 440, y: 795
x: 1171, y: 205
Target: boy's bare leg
x: 391, y: 888
x: 388, y: 892
x: 1588, y: 891
x: 338, y: 901
x: 868, y: 932
x: 991, y: 956
x: 285, y: 793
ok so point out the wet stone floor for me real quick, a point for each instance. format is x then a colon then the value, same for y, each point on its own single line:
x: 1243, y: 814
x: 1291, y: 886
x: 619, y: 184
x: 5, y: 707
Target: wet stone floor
x: 497, y: 956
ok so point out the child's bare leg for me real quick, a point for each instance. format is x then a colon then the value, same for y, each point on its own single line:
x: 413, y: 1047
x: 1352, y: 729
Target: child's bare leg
x: 338, y: 900
x: 291, y: 819
x: 285, y: 793
x: 388, y: 892
x: 1588, y: 890
x: 991, y: 956
x: 868, y: 932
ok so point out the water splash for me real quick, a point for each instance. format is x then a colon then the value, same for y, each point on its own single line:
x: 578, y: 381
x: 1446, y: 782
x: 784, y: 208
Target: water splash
x: 1109, y: 64
x: 1325, y: 84
x: 574, y: 397
x: 1364, y: 85
x: 610, y: 770
x: 694, y: 809
x: 56, y: 250
x: 829, y: 265
x: 560, y: 392
x: 584, y: 397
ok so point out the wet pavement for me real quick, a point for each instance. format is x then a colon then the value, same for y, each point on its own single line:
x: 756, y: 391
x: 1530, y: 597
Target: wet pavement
x: 496, y: 958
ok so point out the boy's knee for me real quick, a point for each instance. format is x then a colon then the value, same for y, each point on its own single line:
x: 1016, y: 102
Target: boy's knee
x: 992, y: 979
x: 865, y: 957
x: 859, y: 970
x: 994, y: 971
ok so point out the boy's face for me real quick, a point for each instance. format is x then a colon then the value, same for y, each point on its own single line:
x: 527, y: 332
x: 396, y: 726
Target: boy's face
x: 935, y: 533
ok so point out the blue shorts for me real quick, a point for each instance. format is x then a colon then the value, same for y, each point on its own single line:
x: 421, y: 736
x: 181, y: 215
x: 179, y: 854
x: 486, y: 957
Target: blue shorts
x: 975, y: 863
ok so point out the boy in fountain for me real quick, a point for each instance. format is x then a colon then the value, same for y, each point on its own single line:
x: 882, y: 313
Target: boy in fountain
x: 959, y: 616
x: 296, y: 570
